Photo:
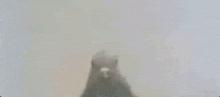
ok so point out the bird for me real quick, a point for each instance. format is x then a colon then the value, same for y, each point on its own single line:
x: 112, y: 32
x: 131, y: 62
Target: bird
x: 105, y: 78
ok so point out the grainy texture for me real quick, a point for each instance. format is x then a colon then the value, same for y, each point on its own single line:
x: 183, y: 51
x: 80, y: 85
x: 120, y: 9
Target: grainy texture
x: 99, y: 86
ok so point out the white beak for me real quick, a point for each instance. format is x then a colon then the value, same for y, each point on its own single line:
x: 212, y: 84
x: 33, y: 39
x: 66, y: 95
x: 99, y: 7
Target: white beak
x: 105, y: 70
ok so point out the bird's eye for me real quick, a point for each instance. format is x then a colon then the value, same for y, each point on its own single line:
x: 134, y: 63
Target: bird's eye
x: 93, y: 64
x: 116, y: 63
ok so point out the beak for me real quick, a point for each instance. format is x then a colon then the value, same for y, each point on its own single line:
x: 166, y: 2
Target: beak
x: 105, y: 71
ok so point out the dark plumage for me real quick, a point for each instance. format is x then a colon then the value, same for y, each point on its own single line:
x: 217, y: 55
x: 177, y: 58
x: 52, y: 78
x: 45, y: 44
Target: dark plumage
x: 105, y: 79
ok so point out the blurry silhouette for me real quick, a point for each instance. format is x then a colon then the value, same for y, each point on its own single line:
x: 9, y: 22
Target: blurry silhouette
x: 105, y: 79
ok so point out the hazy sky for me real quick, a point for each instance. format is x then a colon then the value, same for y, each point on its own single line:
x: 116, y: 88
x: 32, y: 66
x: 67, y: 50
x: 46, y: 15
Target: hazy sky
x: 167, y: 48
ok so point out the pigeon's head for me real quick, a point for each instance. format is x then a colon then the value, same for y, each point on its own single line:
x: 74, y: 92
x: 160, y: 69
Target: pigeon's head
x: 105, y: 65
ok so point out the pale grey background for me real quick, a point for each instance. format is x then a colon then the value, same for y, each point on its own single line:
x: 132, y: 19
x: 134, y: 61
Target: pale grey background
x: 201, y: 19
